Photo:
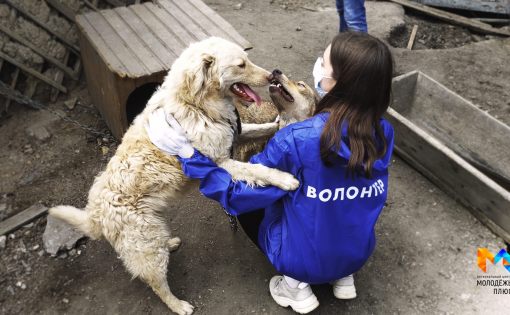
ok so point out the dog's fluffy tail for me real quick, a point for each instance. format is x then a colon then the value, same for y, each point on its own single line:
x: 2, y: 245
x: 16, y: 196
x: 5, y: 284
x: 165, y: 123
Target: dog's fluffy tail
x: 77, y: 218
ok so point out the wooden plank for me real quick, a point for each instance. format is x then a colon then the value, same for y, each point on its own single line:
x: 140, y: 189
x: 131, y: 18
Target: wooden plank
x: 222, y: 23
x: 59, y: 77
x: 131, y: 63
x: 32, y: 72
x: 457, y: 123
x: 22, y: 218
x: 438, y: 181
x: 160, y: 48
x: 488, y: 201
x: 410, y: 44
x: 43, y: 25
x: 132, y: 41
x: 202, y: 20
x: 77, y: 66
x: 101, y: 86
x: 32, y: 84
x: 452, y: 18
x: 90, y: 5
x: 95, y: 39
x: 493, y: 6
x: 167, y: 32
x: 493, y: 21
x: 49, y: 58
x: 191, y: 27
x: 5, y: 98
x: 114, y: 3
x: 13, y: 86
x: 169, y: 17
x: 63, y: 9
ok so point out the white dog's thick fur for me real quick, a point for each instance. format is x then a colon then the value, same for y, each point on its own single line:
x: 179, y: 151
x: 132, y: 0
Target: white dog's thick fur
x: 126, y: 201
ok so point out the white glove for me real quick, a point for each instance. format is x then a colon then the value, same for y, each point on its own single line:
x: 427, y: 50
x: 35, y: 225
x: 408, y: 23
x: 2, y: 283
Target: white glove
x: 166, y: 134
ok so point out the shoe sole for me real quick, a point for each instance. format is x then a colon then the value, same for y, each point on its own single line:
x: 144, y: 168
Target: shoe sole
x: 301, y: 307
x: 349, y: 295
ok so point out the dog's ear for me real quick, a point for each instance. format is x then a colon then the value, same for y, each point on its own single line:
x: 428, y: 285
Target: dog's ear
x: 208, y: 60
x: 199, y: 79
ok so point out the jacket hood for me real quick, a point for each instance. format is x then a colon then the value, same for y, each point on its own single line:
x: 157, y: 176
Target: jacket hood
x: 345, y: 152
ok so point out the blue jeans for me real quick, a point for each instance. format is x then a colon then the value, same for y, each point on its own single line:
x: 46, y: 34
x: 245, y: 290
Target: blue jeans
x: 352, y: 15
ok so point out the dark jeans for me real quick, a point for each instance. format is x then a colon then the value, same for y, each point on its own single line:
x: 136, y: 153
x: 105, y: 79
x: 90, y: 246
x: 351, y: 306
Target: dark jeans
x: 352, y: 15
x: 250, y: 222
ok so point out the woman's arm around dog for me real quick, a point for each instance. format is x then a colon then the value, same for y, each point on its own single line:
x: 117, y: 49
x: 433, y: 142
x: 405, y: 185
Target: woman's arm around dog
x: 237, y: 196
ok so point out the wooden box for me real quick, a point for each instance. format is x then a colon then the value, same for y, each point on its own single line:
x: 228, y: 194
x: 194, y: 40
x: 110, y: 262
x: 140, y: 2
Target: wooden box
x: 460, y: 148
x: 127, y: 51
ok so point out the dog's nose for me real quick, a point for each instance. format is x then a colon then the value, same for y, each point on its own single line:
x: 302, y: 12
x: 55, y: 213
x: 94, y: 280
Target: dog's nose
x: 276, y: 73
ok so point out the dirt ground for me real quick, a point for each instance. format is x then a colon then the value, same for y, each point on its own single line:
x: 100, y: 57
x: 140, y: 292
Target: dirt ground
x: 425, y: 261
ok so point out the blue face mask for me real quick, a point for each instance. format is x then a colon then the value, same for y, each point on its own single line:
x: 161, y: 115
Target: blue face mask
x: 319, y: 90
x: 318, y: 75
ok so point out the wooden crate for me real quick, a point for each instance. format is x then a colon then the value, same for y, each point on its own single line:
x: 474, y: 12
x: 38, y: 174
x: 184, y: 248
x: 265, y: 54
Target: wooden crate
x: 127, y: 51
x: 460, y: 148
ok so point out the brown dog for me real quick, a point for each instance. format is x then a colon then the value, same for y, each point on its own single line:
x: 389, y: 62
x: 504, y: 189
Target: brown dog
x: 292, y: 101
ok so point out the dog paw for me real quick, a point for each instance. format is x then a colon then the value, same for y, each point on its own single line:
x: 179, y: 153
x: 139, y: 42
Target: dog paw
x: 174, y: 243
x: 184, y: 309
x: 287, y: 182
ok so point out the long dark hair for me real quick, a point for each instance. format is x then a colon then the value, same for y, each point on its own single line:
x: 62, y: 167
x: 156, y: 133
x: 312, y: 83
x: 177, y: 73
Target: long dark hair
x: 363, y: 69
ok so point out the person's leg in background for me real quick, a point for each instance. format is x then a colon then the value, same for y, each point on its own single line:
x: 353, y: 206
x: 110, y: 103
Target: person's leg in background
x: 340, y: 10
x: 354, y: 15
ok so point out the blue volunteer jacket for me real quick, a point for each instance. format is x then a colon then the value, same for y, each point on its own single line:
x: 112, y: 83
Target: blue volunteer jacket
x: 320, y: 232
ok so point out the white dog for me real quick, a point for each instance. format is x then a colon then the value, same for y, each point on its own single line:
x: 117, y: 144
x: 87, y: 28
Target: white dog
x: 126, y: 201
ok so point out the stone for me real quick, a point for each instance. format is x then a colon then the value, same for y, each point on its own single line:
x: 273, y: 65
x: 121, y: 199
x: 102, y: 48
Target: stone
x: 10, y: 289
x: 21, y: 285
x: 4, y: 211
x: 71, y: 103
x: 238, y: 6
x: 28, y: 149
x: 3, y: 241
x: 38, y: 132
x: 59, y: 235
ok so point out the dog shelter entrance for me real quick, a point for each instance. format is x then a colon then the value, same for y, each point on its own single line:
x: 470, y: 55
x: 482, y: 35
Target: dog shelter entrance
x: 127, y: 51
x: 137, y: 100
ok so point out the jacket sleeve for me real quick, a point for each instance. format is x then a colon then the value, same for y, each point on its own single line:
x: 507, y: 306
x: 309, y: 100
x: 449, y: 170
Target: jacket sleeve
x: 236, y: 197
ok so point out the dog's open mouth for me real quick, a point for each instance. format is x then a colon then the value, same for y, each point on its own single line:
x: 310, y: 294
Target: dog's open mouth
x: 244, y: 92
x: 277, y: 86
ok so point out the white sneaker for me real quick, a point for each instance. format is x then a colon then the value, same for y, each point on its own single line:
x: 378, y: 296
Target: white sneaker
x: 301, y: 299
x: 344, y: 288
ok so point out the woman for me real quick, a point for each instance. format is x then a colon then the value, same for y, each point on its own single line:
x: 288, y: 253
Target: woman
x: 322, y: 232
